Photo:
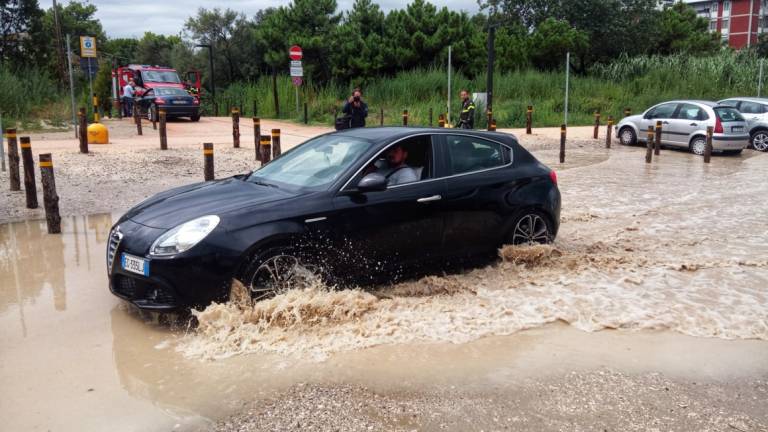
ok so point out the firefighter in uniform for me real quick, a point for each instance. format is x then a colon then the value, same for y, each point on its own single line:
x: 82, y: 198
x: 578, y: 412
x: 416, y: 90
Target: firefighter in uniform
x: 467, y: 115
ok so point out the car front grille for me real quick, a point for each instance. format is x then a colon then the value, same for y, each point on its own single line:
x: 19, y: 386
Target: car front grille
x: 142, y: 290
x: 115, y: 237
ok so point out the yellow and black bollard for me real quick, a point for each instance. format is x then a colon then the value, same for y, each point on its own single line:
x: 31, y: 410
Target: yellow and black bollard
x: 649, y: 144
x: 657, y: 139
x: 562, y: 143
x: 597, y: 124
x: 405, y: 117
x: 163, y: 130
x: 708, y: 145
x: 608, y: 132
x: 236, y: 127
x: 528, y: 119
x: 257, y: 136
x: 13, y: 159
x: 50, y: 197
x: 275, y: 143
x: 208, y: 161
x: 266, y: 149
x: 29, y: 172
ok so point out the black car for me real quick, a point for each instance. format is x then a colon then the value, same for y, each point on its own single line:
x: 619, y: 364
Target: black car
x: 331, y: 203
x: 176, y: 102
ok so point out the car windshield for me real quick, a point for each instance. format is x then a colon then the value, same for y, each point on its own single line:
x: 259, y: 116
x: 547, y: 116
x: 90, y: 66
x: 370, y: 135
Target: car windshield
x: 312, y: 165
x: 160, y: 76
x: 727, y: 114
x: 170, y: 92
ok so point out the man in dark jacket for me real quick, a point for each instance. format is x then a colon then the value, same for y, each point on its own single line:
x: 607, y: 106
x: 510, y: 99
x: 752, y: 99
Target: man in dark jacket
x: 356, y: 109
x: 467, y: 115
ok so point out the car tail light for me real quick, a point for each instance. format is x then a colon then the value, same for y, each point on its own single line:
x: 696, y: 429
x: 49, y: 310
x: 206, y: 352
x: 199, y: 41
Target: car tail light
x: 718, y: 125
x: 553, y: 177
x: 159, y: 100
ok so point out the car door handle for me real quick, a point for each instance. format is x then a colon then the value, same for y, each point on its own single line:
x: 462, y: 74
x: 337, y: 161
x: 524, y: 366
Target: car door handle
x: 429, y: 199
x: 665, y: 122
x: 693, y: 124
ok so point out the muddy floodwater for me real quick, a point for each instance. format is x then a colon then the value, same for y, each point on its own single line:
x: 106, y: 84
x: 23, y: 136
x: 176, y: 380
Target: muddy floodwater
x: 657, y: 268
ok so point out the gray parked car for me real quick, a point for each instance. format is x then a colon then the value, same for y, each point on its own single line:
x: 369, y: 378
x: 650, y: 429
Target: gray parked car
x: 755, y: 111
x: 684, y: 124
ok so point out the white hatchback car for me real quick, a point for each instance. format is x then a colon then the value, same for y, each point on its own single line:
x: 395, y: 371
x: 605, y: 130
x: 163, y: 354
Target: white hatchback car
x: 684, y: 124
x: 755, y: 111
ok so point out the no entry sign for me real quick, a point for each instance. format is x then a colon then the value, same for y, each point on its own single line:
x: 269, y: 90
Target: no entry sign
x: 295, y: 53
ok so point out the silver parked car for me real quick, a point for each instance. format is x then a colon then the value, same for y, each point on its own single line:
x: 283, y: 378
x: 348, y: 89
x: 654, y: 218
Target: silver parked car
x: 684, y: 124
x: 755, y: 111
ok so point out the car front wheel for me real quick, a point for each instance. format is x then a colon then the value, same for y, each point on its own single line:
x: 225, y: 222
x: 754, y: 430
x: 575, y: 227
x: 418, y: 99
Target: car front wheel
x: 276, y: 271
x: 760, y: 140
x: 627, y: 136
x: 531, y: 227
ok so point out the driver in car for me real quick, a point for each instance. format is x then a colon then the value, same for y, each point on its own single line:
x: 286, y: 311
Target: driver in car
x: 396, y: 170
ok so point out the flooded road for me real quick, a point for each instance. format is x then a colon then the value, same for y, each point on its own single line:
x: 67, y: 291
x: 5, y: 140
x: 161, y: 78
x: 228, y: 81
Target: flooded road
x: 674, y: 254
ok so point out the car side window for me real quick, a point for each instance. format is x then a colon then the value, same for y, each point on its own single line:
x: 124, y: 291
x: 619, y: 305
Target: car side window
x: 691, y: 112
x: 404, y: 162
x: 663, y: 111
x: 751, y: 108
x: 468, y: 153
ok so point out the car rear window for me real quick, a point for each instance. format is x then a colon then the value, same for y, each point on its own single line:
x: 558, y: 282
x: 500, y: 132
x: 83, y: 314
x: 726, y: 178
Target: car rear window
x: 727, y: 114
x: 468, y: 153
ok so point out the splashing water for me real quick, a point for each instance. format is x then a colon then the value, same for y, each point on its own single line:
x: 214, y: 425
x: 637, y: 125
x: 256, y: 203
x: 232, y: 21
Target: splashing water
x: 651, y: 258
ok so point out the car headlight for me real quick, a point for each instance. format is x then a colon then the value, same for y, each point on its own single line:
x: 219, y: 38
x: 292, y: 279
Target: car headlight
x: 184, y: 236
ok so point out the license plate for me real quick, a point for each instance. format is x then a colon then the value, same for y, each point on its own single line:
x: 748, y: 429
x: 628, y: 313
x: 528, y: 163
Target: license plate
x: 135, y: 264
x: 181, y: 102
x: 737, y: 129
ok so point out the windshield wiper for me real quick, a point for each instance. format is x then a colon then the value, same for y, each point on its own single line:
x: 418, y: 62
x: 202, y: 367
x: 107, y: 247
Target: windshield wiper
x: 259, y: 182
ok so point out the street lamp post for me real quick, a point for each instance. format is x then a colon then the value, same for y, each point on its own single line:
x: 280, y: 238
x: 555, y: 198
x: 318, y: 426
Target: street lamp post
x: 213, y: 76
x: 491, y: 59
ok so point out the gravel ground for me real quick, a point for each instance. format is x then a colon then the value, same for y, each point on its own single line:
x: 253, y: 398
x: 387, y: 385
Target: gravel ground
x: 601, y: 400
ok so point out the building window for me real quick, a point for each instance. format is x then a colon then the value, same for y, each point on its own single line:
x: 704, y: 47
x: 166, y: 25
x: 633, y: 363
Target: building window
x: 726, y: 7
x: 724, y: 26
x: 713, y: 25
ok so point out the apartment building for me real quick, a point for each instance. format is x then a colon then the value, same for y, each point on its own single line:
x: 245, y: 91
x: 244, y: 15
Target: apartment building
x: 738, y: 21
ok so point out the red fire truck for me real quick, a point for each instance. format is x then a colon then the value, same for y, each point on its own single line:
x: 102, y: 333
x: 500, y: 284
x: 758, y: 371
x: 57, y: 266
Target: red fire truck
x: 146, y: 77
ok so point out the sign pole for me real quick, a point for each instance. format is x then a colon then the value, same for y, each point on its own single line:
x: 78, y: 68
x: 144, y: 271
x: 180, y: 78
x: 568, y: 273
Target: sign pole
x: 2, y: 144
x: 567, y: 69
x: 71, y: 86
x: 297, y: 99
x: 449, y: 85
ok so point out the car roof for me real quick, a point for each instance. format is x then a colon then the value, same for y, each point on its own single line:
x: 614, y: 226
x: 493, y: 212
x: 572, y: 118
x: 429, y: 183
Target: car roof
x: 696, y: 101
x: 381, y: 134
x: 747, y: 99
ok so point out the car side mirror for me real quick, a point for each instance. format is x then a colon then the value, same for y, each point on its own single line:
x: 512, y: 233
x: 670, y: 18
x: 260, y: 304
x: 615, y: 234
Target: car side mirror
x: 372, y: 182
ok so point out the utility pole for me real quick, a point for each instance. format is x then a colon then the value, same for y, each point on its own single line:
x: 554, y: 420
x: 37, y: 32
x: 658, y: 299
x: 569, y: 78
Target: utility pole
x: 59, y: 45
x: 491, y: 58
x: 71, y: 86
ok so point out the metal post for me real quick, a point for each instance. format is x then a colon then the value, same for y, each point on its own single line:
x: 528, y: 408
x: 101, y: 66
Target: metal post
x: 567, y: 74
x: 2, y: 146
x: 491, y: 58
x: 449, y: 84
x: 760, y: 79
x: 72, y: 87
x: 306, y: 116
x: 297, y: 99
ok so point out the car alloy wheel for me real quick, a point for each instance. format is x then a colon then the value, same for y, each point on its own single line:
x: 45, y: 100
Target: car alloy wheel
x: 698, y: 145
x: 279, y: 273
x: 152, y: 113
x: 627, y: 136
x: 531, y: 228
x: 760, y: 141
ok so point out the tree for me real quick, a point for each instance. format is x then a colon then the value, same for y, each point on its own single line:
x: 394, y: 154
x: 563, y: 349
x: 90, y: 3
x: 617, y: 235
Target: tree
x: 122, y: 49
x: 76, y: 19
x: 682, y: 31
x: 528, y: 13
x: 156, y: 49
x: 229, y: 32
x: 552, y: 40
x: 20, y: 32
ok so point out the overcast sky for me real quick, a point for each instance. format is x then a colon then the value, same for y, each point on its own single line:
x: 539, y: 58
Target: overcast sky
x: 131, y: 18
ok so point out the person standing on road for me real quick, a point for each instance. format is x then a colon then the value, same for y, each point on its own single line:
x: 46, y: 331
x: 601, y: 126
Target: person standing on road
x: 356, y: 109
x: 128, y: 99
x: 467, y: 114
